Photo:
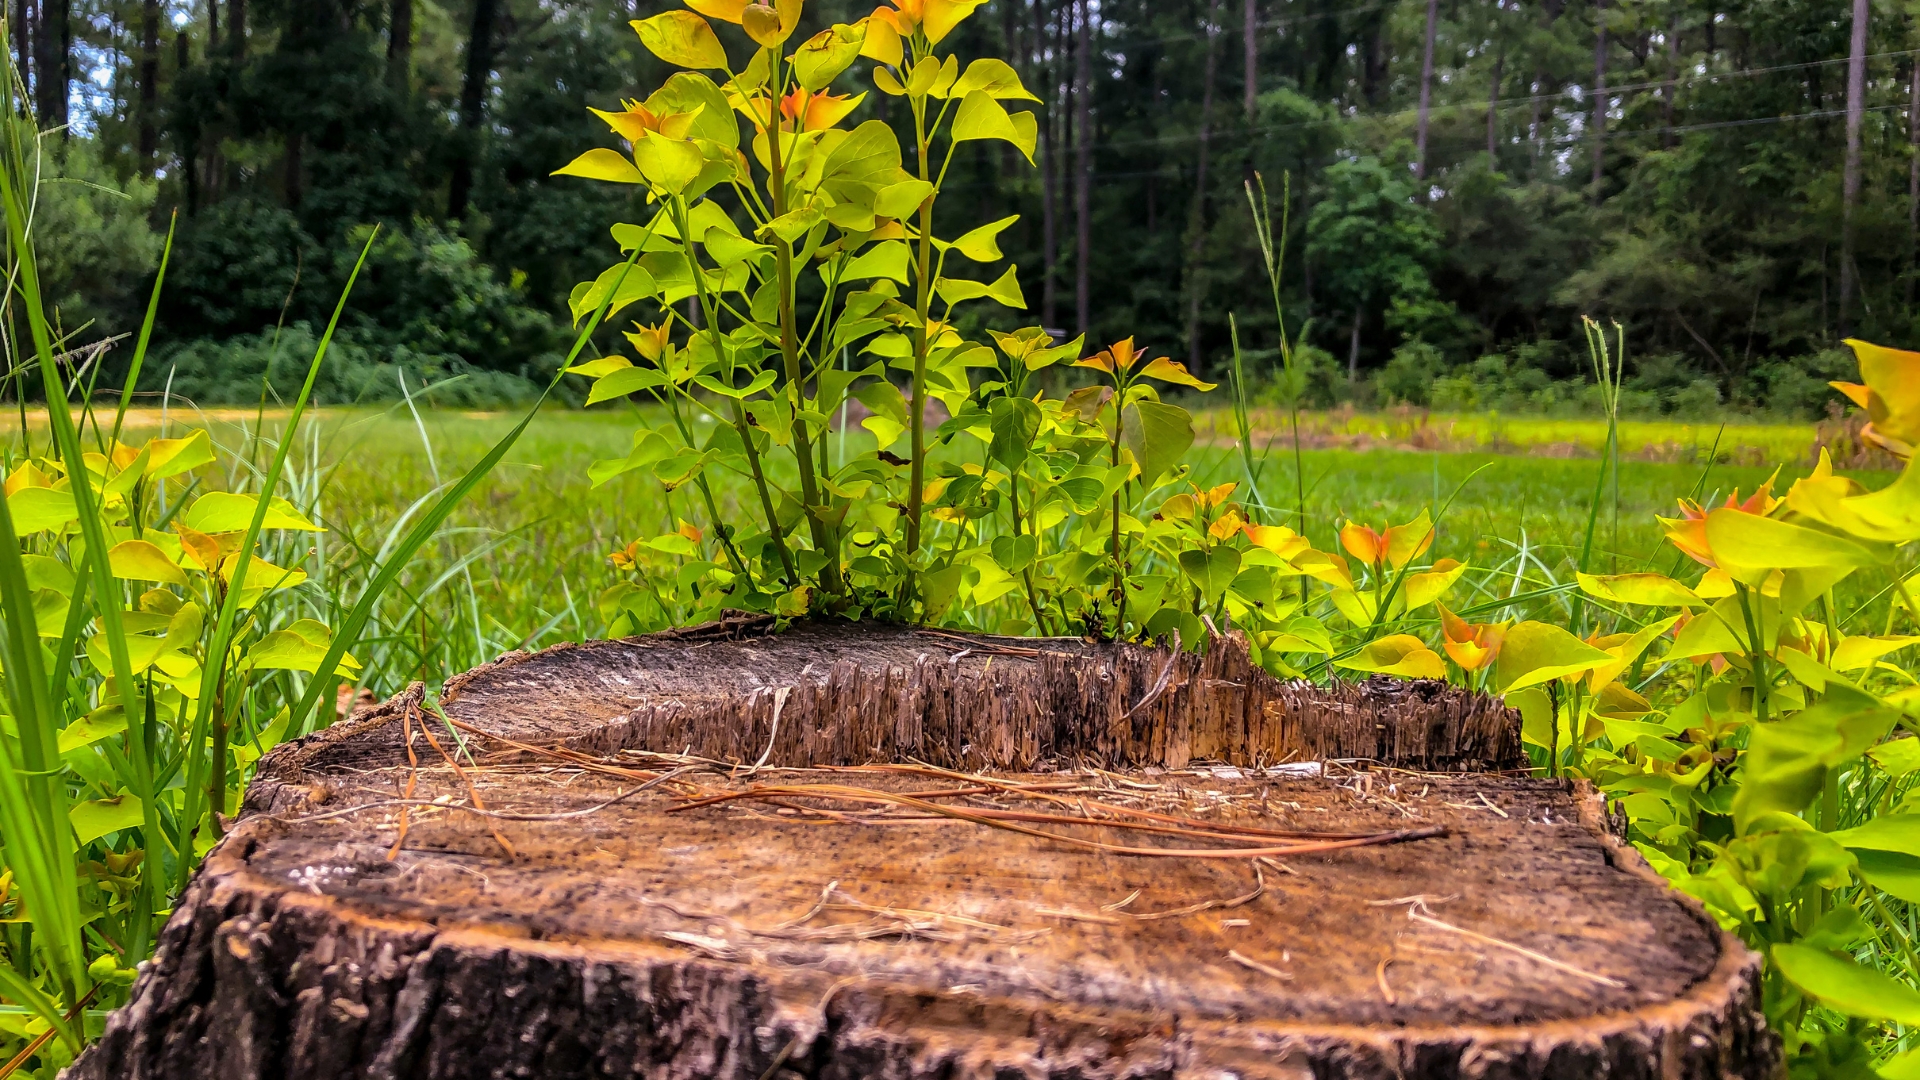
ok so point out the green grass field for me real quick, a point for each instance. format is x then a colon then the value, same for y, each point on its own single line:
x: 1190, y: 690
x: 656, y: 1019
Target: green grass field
x: 521, y: 563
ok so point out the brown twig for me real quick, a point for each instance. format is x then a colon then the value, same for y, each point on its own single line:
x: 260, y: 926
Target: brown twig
x: 413, y: 775
x: 41, y: 1040
x: 1265, y: 969
x: 473, y: 793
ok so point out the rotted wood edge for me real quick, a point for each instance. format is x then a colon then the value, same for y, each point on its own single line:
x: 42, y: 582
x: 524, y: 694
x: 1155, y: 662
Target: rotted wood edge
x: 1118, y: 706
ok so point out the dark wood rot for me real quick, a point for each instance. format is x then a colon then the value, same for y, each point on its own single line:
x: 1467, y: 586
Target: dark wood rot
x: 879, y: 852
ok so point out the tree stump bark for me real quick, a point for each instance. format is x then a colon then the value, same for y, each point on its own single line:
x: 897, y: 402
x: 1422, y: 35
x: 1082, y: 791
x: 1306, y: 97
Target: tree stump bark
x: 600, y: 926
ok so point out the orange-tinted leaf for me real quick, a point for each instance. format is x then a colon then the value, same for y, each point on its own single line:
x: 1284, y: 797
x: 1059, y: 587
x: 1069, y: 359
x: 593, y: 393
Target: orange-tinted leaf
x: 1363, y: 543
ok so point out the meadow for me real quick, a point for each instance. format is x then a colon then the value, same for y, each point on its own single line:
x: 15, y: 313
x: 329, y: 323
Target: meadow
x: 521, y: 561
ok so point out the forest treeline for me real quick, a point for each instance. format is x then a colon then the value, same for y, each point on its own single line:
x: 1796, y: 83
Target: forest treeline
x: 1735, y: 181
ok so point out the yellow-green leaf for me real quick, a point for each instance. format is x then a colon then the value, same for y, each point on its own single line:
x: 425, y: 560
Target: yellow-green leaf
x: 1854, y: 653
x: 1649, y: 590
x: 672, y: 165
x: 1898, y: 757
x: 981, y: 117
x: 603, y: 164
x: 1750, y: 547
x: 682, y: 39
x: 1535, y: 653
x: 1846, y: 986
x: 983, y: 244
x: 102, y: 723
x: 1399, y: 654
x: 821, y: 58
x: 93, y: 820
x: 224, y: 512
x: 138, y: 560
x: 299, y: 647
x: 171, y: 457
x: 606, y: 365
x: 36, y: 508
x: 902, y: 199
x: 996, y: 77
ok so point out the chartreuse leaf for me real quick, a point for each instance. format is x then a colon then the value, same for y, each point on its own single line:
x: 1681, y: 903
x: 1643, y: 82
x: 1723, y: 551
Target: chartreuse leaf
x: 1846, y: 986
x: 1398, y: 654
x: 759, y: 382
x: 1751, y: 547
x: 672, y: 165
x: 996, y: 77
x: 1159, y: 436
x: 1006, y: 290
x: 821, y: 58
x: 626, y: 381
x: 1787, y: 760
x: 224, y: 511
x: 93, y: 820
x: 901, y: 199
x: 682, y: 39
x: 981, y: 117
x: 172, y: 457
x: 603, y: 164
x: 1897, y: 757
x: 1892, y: 832
x: 141, y: 560
x: 1211, y: 571
x: 983, y: 244
x: 887, y: 259
x: 299, y: 647
x: 1014, y: 422
x: 36, y: 509
x: 1648, y: 590
x: 1854, y: 653
x: 1536, y: 653
x: 692, y: 92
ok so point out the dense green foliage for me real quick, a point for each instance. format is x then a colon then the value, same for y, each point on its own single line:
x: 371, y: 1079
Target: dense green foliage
x: 1714, y: 233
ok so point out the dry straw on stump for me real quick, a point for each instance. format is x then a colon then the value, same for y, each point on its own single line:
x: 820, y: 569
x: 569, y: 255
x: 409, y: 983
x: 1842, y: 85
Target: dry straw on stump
x: 875, y: 852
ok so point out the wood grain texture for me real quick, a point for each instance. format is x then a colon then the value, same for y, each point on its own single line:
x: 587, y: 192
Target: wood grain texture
x: 637, y: 940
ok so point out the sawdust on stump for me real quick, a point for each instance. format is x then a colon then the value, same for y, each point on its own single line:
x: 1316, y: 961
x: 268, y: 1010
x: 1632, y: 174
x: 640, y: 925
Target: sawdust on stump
x: 858, y: 852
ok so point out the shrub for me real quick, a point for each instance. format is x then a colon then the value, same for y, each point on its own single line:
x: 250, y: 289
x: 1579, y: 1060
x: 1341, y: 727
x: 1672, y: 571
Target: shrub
x: 1408, y: 377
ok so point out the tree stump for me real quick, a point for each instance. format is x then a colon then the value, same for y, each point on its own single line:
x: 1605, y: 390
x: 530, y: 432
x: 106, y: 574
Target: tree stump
x: 601, y: 925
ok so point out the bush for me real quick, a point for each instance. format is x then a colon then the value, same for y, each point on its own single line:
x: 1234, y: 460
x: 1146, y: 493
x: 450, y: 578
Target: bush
x: 1409, y: 375
x: 1798, y: 387
x: 1698, y: 400
x: 235, y: 371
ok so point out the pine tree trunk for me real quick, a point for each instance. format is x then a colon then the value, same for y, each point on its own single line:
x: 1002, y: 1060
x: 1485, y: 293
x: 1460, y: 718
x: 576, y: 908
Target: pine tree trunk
x: 187, y: 138
x: 1913, y: 177
x: 603, y: 924
x: 149, y: 84
x: 1353, y: 347
x: 1051, y: 35
x: 1599, y: 122
x: 1083, y: 169
x: 1197, y: 214
x: 1426, y: 96
x: 52, y: 64
x: 1493, y: 109
x: 1251, y: 19
x: 237, y: 27
x: 1670, y: 93
x: 1850, y: 181
x: 23, y: 42
x: 400, y: 47
x: 473, y: 99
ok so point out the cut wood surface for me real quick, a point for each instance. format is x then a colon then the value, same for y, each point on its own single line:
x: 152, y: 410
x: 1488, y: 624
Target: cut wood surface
x: 875, y: 852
